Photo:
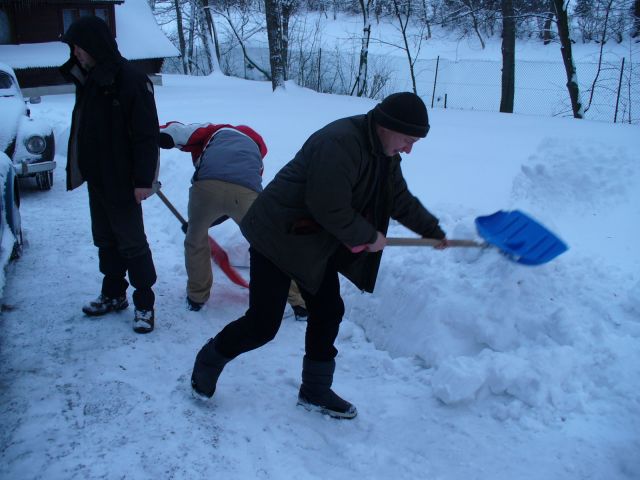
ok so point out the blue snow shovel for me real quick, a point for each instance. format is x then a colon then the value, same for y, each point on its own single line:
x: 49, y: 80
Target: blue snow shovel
x: 515, y: 234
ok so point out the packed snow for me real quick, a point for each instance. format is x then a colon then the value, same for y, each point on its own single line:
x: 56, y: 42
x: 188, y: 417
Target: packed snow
x: 463, y: 364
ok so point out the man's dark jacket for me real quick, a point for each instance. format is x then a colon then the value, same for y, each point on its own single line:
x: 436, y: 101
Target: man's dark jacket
x: 113, y: 140
x: 340, y: 189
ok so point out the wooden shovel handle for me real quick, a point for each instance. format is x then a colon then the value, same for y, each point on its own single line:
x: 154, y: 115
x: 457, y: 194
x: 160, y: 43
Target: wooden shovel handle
x: 430, y: 242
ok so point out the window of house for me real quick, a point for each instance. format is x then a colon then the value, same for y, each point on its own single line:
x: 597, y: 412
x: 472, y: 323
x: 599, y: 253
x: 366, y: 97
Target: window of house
x: 102, y: 13
x: 69, y: 15
x: 5, y: 28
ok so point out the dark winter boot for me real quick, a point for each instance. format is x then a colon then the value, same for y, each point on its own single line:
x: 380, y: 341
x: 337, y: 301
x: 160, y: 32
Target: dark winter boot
x: 300, y: 313
x: 316, y: 394
x: 104, y: 304
x: 206, y: 370
x: 194, y: 306
x: 143, y: 321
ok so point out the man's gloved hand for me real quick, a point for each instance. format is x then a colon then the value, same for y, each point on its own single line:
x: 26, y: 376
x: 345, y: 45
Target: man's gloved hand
x: 141, y: 194
x: 379, y: 244
x: 165, y: 141
x: 443, y: 244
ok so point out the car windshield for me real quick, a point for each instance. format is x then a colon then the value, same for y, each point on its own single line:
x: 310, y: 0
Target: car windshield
x: 6, y: 82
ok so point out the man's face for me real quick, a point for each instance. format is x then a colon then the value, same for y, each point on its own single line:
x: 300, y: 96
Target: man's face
x: 395, y: 142
x: 84, y: 59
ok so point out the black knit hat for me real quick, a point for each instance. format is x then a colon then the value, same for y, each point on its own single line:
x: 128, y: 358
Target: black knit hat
x: 403, y: 112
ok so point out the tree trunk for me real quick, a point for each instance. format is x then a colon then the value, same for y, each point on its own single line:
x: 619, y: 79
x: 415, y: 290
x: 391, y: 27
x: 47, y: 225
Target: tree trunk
x: 508, y: 56
x: 547, y: 34
x: 274, y: 35
x: 425, y: 18
x: 212, y: 36
x: 197, y: 9
x: 636, y: 19
x: 241, y: 42
x: 403, y: 28
x: 471, y: 5
x: 190, y: 44
x: 181, y: 41
x: 567, y: 58
x: 360, y: 85
x: 288, y: 7
x: 603, y: 39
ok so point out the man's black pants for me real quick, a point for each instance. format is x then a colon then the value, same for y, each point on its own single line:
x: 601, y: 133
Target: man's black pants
x: 267, y: 300
x: 118, y: 232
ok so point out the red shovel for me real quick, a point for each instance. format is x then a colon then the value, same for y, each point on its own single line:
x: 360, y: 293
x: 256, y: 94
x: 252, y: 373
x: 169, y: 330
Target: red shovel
x: 218, y: 254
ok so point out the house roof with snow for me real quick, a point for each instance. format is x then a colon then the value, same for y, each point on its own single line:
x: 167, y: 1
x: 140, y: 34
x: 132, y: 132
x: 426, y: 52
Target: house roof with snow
x: 137, y: 34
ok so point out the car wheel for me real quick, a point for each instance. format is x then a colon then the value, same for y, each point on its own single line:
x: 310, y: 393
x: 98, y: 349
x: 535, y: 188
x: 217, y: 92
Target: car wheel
x: 44, y: 180
x: 16, y: 251
x: 15, y: 222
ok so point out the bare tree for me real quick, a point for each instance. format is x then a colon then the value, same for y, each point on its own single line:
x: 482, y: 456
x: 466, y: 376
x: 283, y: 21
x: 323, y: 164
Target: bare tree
x: 547, y: 33
x: 305, y: 55
x: 213, y: 34
x: 403, y: 12
x: 465, y: 11
x: 602, y: 42
x: 273, y: 13
x: 238, y: 19
x: 360, y: 85
x: 209, y: 35
x: 508, y: 56
x: 191, y: 37
x: 181, y: 40
x: 567, y: 57
x: 470, y: 4
x: 288, y: 7
x: 169, y: 13
x: 636, y: 19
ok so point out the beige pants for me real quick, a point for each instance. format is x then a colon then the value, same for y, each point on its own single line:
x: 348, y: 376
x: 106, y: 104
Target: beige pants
x: 208, y: 201
x: 294, y: 298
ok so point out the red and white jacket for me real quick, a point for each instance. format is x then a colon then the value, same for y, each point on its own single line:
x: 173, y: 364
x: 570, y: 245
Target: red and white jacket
x: 219, y: 155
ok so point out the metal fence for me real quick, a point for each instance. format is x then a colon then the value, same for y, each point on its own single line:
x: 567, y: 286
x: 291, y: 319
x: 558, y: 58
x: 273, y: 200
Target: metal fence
x: 540, y: 86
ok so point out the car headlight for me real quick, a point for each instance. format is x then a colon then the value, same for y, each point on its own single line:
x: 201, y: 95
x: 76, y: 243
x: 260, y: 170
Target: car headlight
x: 36, y: 144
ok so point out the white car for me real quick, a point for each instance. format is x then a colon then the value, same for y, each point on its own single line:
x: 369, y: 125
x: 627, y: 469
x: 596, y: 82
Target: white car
x: 10, y: 222
x: 28, y: 142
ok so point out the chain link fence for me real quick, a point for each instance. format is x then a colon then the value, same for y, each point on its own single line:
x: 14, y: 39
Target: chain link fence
x: 540, y: 87
x: 609, y: 92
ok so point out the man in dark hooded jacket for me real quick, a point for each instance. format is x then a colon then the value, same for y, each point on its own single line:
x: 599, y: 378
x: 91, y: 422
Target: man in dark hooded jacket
x: 113, y: 146
x: 339, y: 192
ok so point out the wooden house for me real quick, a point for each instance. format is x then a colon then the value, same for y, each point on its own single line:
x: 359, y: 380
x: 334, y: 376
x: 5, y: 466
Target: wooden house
x: 30, y: 33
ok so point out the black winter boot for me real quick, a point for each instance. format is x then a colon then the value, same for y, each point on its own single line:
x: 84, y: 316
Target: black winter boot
x: 104, y: 304
x: 144, y: 320
x: 316, y: 394
x: 206, y: 370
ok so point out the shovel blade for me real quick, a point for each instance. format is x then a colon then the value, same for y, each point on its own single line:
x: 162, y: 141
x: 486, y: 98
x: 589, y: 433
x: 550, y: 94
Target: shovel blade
x: 221, y: 259
x: 520, y: 237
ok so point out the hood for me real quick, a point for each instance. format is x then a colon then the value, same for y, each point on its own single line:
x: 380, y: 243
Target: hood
x: 93, y: 35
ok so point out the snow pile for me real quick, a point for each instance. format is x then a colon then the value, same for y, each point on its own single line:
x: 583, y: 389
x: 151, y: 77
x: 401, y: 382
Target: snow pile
x: 583, y: 177
x: 517, y: 337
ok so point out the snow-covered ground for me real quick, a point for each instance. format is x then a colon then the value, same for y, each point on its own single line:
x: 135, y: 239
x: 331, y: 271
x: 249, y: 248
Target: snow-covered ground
x: 463, y: 364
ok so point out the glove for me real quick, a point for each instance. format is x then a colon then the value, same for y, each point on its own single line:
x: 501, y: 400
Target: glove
x: 379, y: 244
x: 165, y: 141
